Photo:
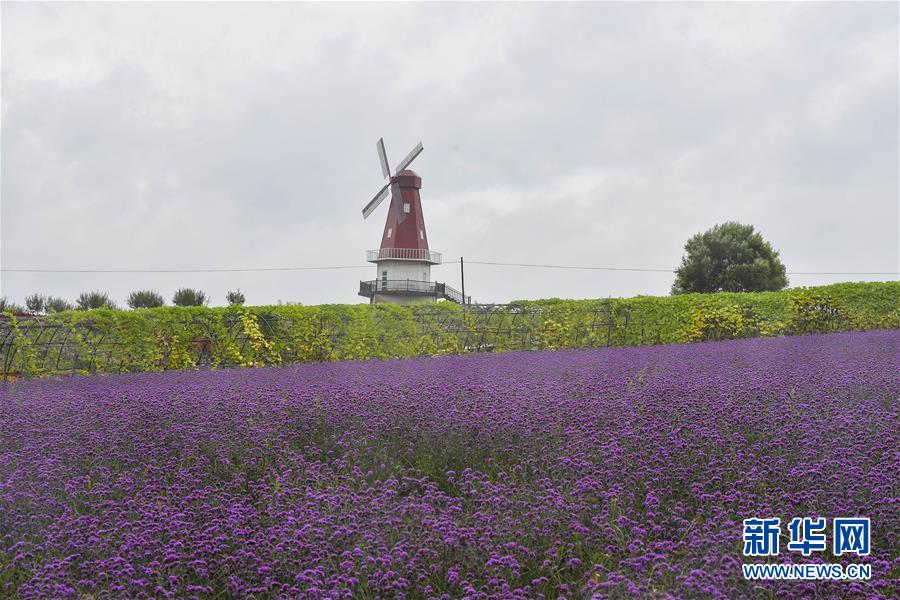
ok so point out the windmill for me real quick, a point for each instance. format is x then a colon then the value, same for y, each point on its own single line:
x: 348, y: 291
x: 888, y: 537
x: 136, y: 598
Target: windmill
x: 403, y: 260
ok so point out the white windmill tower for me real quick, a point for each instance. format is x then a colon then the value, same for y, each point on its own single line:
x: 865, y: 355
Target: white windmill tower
x: 403, y: 261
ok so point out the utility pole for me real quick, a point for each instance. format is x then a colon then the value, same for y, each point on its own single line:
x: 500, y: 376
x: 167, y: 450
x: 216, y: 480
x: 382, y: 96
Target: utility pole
x: 462, y: 277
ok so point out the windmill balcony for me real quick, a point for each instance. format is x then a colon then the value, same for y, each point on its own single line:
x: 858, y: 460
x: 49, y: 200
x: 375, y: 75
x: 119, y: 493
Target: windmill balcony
x: 411, y: 287
x: 404, y: 254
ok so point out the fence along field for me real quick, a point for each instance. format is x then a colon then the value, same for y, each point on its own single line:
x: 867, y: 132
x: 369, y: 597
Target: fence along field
x: 110, y: 341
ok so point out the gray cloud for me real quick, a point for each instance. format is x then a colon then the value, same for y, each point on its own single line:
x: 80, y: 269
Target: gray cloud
x: 235, y: 135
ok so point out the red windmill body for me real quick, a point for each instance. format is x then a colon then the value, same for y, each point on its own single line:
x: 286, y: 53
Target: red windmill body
x: 403, y: 260
x: 405, y: 224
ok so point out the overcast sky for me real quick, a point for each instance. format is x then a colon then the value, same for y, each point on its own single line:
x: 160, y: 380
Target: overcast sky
x: 156, y: 136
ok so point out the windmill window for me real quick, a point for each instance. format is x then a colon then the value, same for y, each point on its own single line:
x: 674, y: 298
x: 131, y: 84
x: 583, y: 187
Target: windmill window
x: 421, y: 234
x: 390, y: 231
x: 406, y: 207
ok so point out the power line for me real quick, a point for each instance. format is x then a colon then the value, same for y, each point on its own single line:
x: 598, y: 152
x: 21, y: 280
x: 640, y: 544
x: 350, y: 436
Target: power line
x: 587, y: 268
x: 337, y: 267
x: 185, y: 270
x: 850, y: 273
x: 502, y: 264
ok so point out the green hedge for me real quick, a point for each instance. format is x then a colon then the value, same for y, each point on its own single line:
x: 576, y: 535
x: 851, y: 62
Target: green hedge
x: 681, y: 318
x: 200, y: 337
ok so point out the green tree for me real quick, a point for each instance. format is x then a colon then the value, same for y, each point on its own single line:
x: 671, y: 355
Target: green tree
x: 95, y: 299
x: 41, y: 304
x: 235, y: 297
x: 36, y: 303
x: 730, y: 257
x: 189, y: 297
x: 8, y: 306
x: 56, y: 304
x: 145, y: 299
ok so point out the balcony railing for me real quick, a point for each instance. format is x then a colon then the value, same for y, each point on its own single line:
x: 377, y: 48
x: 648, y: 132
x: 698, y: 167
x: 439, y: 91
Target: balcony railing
x: 412, y: 287
x: 404, y: 254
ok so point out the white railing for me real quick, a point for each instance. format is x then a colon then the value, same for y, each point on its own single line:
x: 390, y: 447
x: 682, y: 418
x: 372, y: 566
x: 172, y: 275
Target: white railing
x: 411, y: 287
x: 404, y: 254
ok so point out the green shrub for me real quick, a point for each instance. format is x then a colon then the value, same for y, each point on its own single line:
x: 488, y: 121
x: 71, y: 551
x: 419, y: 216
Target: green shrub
x: 866, y: 319
x: 21, y: 357
x: 189, y: 297
x: 36, y: 303
x: 235, y: 297
x: 56, y: 304
x: 816, y: 312
x: 145, y: 299
x: 94, y: 300
x: 723, y: 323
x: 41, y: 304
x: 7, y: 306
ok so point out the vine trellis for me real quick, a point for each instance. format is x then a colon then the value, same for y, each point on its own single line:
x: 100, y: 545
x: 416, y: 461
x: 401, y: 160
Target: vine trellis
x: 39, y: 345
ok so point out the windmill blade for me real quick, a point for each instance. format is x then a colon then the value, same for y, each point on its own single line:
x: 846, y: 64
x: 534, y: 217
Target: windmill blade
x: 382, y: 156
x: 409, y: 158
x: 374, y: 202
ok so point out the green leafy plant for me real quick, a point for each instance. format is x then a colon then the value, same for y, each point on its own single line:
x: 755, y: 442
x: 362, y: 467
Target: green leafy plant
x: 22, y: 350
x: 41, y: 304
x: 94, y: 300
x: 189, y: 297
x: 310, y: 341
x: 261, y: 351
x: 235, y: 297
x: 553, y: 334
x: 36, y: 303
x: 176, y: 353
x: 723, y: 323
x: 730, y: 257
x: 56, y: 304
x: 816, y: 312
x: 7, y: 306
x: 145, y: 299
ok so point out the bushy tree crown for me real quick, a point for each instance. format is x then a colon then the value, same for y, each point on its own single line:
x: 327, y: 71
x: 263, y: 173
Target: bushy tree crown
x: 730, y: 257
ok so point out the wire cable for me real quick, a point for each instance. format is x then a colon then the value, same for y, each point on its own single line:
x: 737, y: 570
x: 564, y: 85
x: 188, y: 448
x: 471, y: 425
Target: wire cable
x: 185, y: 270
x: 502, y: 264
x: 471, y: 262
x: 585, y: 268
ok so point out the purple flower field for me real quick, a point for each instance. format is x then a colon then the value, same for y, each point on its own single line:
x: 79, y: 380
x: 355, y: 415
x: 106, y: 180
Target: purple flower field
x: 612, y: 472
